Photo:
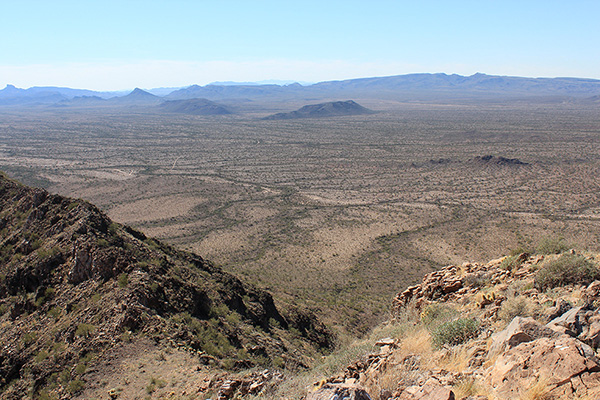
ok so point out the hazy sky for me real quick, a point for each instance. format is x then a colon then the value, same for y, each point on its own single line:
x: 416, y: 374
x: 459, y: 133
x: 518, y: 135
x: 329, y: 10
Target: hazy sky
x: 110, y: 45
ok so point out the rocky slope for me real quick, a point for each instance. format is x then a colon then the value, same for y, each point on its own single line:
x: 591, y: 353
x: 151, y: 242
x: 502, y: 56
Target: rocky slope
x: 520, y: 327
x: 77, y: 290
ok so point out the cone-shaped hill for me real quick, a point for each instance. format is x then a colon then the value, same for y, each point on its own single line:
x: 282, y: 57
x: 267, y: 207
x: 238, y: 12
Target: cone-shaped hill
x: 330, y: 109
x: 136, y: 97
x: 76, y: 287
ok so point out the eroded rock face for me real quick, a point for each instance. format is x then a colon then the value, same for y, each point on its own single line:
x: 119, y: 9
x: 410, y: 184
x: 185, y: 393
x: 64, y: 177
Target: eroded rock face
x: 564, y: 365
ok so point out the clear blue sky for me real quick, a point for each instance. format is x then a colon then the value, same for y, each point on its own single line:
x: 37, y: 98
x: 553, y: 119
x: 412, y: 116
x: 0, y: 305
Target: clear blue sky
x: 122, y: 44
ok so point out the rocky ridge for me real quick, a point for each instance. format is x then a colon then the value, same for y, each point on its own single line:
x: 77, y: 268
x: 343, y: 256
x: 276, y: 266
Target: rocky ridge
x: 487, y: 331
x: 75, y: 286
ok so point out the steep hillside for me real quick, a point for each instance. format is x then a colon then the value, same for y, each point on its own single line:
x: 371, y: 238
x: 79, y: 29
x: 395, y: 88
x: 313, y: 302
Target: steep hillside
x: 329, y: 109
x: 526, y: 326
x: 77, y: 290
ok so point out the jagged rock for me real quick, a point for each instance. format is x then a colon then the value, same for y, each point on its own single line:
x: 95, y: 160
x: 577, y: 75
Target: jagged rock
x: 561, y: 306
x: 592, y: 293
x: 432, y: 390
x: 581, y: 323
x: 339, y: 392
x: 518, y: 331
x: 558, y: 362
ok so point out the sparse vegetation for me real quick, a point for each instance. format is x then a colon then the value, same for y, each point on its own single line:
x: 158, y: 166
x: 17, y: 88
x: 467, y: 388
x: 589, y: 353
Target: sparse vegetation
x: 123, y: 280
x: 84, y: 330
x: 552, y: 245
x: 518, y: 306
x: 436, y: 314
x: 565, y: 270
x: 455, y: 332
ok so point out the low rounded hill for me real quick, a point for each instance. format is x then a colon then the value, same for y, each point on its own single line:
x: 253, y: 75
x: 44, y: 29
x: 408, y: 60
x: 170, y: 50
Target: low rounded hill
x: 322, y: 110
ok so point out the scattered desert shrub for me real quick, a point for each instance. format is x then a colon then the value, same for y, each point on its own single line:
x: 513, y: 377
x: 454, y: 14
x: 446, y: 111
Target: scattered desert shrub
x: 436, y: 314
x: 47, y: 253
x: 123, y: 280
x: 84, y: 330
x: 565, y: 270
x: 552, y: 245
x: 518, y: 306
x: 511, y: 262
x: 75, y: 386
x: 455, y: 332
x: 478, y: 279
x: 41, y: 356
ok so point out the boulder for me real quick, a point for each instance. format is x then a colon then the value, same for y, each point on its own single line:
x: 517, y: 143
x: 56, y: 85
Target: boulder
x: 566, y: 366
x: 342, y: 391
x: 518, y: 331
x: 431, y: 390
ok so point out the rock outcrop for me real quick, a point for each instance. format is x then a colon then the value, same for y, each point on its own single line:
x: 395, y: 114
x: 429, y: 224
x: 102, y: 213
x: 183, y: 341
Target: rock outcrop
x: 530, y: 343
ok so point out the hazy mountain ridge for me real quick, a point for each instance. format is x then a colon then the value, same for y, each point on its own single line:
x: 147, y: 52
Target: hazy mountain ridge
x: 406, y: 87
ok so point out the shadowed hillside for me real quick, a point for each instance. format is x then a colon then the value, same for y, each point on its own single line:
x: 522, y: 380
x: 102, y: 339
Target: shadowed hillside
x: 76, y: 287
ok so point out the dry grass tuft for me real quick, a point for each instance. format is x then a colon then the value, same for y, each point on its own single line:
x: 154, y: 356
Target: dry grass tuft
x: 539, y: 391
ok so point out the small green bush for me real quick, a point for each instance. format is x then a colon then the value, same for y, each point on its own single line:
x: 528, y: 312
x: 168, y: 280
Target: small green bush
x: 123, y: 280
x: 75, y: 386
x: 41, y: 356
x: 84, y: 330
x: 455, y: 332
x: 511, y: 262
x: 565, y: 270
x: 552, y: 245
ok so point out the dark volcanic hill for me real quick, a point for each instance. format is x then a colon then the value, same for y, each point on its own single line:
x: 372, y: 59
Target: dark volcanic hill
x: 330, y: 109
x: 497, y: 160
x: 194, y: 107
x: 75, y: 286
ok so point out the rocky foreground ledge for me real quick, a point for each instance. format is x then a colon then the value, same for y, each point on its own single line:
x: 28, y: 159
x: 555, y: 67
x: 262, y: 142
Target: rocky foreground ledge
x: 520, y: 327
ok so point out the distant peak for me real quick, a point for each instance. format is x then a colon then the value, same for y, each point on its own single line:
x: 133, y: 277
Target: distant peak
x: 140, y: 92
x: 9, y: 86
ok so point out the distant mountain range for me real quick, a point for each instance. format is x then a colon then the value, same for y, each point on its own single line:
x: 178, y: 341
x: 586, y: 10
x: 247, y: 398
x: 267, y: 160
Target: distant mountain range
x: 428, y: 87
